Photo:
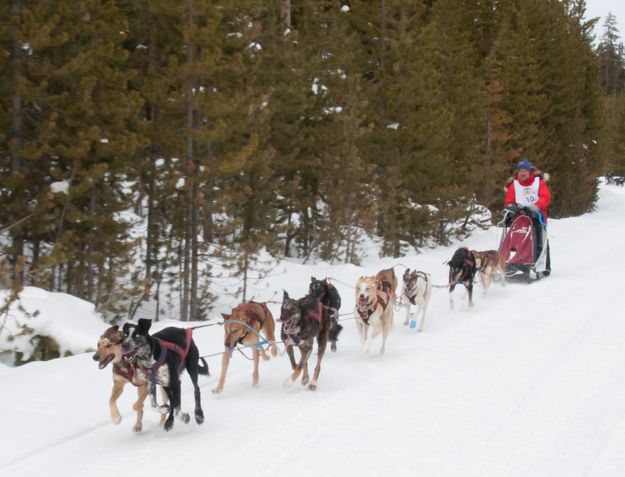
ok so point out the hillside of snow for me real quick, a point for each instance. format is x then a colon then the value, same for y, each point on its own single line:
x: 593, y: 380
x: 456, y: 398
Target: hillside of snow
x: 529, y: 382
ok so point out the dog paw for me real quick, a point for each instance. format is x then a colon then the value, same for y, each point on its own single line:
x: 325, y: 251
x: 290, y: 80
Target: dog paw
x: 312, y: 386
x: 184, y: 417
x: 287, y: 383
x: 137, y: 428
x: 305, y: 381
x: 169, y: 423
x: 216, y: 390
x: 405, y: 322
x: 199, y: 417
x: 116, y: 419
x: 163, y: 409
x: 333, y: 346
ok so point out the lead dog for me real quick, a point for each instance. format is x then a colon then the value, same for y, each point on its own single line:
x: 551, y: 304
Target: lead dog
x: 416, y: 291
x: 303, y: 321
x: 462, y: 270
x: 375, y: 297
x: 162, y: 357
x: 109, y: 350
x: 244, y: 326
x: 487, y: 263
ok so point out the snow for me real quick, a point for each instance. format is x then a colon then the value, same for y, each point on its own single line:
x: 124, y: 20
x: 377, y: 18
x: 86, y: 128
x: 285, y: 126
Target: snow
x: 529, y: 382
x: 59, y: 186
x: 71, y: 321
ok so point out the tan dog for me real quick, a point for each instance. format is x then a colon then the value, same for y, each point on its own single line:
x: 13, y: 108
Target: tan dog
x: 375, y: 299
x: 110, y: 351
x: 487, y: 263
x: 243, y: 326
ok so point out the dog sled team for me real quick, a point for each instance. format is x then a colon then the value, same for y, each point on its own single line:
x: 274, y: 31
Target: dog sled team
x: 146, y: 360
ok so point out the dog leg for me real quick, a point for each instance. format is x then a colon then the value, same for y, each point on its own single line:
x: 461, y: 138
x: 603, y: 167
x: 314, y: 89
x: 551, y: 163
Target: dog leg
x: 142, y: 393
x: 164, y: 409
x: 386, y: 328
x: 225, y: 361
x: 373, y: 332
x: 291, y: 355
x: 362, y: 329
x: 305, y: 353
x: 193, y: 369
x: 118, y: 388
x: 320, y: 352
x: 256, y: 355
x: 451, y: 295
x: 169, y: 421
x: 470, y: 291
x: 421, y: 315
x: 407, y: 319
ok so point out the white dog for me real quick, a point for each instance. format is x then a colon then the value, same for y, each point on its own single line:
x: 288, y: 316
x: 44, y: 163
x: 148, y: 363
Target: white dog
x: 416, y: 291
x: 375, y: 298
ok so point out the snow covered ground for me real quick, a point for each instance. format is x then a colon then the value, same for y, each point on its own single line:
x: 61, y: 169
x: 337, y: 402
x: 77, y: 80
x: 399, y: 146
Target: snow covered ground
x: 530, y: 382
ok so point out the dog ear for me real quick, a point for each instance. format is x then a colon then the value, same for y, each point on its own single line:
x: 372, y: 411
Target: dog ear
x: 406, y: 273
x: 115, y: 327
x: 285, y: 295
x: 126, y: 328
x: 144, y: 324
x: 226, y: 316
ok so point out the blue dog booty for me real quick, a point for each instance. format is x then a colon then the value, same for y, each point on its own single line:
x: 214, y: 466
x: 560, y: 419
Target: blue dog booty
x: 413, y: 324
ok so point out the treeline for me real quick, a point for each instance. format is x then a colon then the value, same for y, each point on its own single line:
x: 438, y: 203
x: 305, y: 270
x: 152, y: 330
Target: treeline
x: 219, y: 129
x: 612, y: 79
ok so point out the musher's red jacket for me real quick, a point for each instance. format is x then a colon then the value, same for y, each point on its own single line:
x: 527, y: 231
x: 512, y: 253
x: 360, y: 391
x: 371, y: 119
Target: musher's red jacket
x: 544, y: 195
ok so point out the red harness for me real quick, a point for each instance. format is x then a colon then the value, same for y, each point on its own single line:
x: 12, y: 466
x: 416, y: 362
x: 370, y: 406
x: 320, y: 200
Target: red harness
x: 173, y: 347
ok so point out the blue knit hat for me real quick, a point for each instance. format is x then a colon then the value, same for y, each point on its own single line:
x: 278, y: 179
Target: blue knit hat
x: 524, y: 164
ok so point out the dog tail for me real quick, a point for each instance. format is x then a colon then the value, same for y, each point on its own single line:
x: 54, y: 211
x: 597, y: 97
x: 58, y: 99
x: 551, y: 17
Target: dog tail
x: 203, y: 368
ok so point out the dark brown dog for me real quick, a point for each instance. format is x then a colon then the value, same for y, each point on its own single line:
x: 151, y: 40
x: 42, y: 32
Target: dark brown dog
x: 110, y: 351
x: 462, y: 270
x: 303, y: 321
x: 243, y: 326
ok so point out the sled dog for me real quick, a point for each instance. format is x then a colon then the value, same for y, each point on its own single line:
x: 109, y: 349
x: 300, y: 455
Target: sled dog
x: 373, y: 313
x: 487, y: 263
x: 245, y: 325
x: 416, y: 291
x: 462, y: 270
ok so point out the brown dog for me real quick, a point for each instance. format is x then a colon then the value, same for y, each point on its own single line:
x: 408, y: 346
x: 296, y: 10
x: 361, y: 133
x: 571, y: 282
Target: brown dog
x: 244, y: 326
x: 110, y: 351
x: 487, y: 262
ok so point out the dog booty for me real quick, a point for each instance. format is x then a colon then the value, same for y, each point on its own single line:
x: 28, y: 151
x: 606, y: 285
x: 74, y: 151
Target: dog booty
x: 413, y: 324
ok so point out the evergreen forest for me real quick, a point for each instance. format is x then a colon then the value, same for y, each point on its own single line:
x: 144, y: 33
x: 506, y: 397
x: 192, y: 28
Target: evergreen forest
x: 142, y: 142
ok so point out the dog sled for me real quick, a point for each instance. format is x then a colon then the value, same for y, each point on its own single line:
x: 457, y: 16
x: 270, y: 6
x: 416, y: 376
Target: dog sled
x: 524, y: 244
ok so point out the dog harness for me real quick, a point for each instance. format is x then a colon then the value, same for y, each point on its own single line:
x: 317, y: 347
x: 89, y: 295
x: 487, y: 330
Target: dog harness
x: 173, y: 347
x: 127, y: 372
x: 365, y: 313
x: 316, y: 315
x: 251, y: 313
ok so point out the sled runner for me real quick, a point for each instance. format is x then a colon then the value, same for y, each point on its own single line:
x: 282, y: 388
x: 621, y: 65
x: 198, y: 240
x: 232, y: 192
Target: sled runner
x: 524, y: 244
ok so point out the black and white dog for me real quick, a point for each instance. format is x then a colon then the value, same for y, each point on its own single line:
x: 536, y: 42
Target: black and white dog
x: 462, y: 270
x: 327, y: 294
x: 162, y: 357
x: 416, y: 291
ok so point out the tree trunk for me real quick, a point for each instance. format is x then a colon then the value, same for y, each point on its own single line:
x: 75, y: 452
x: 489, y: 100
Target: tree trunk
x: 15, y: 141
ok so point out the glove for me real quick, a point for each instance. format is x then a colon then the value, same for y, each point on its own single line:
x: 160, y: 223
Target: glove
x: 533, y: 208
x: 512, y: 209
